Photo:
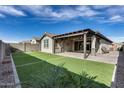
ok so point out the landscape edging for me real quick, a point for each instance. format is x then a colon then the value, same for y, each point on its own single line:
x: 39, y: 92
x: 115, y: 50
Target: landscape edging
x: 16, y: 78
x: 114, y: 77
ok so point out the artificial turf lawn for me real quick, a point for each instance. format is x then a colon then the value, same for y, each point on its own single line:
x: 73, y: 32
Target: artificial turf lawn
x: 102, y: 71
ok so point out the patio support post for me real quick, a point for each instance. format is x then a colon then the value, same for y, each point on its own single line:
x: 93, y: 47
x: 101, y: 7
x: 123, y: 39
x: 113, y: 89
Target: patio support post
x: 53, y: 46
x: 24, y: 47
x: 93, y: 46
x: 85, y: 46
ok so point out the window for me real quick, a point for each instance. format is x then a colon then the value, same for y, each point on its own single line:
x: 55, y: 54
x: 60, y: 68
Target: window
x: 46, y: 43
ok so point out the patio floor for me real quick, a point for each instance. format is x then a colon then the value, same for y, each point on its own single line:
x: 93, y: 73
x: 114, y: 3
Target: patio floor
x: 111, y: 57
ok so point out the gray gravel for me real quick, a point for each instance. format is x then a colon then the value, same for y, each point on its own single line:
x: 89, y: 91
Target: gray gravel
x: 120, y: 71
x: 6, y: 74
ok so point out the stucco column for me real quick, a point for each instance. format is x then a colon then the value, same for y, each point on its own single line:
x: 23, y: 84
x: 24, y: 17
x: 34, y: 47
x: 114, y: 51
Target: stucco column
x: 41, y: 45
x: 73, y: 45
x: 53, y: 46
x: 93, y: 45
x: 85, y: 46
x: 24, y: 47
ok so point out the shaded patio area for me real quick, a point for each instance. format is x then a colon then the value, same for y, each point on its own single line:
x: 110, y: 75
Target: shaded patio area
x: 110, y: 57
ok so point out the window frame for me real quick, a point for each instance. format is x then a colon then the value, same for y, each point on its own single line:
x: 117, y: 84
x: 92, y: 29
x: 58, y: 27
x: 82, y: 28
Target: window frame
x: 46, y: 43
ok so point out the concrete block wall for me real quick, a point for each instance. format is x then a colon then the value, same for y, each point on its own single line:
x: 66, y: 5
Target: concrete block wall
x: 19, y: 46
x: 3, y: 50
x: 25, y: 47
x: 32, y: 47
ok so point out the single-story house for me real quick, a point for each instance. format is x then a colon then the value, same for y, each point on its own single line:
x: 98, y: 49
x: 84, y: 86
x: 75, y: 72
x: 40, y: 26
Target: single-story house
x: 84, y: 41
x: 35, y: 40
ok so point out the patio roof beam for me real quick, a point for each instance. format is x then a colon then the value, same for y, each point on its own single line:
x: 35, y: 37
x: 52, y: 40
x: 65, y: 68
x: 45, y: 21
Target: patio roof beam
x: 70, y: 35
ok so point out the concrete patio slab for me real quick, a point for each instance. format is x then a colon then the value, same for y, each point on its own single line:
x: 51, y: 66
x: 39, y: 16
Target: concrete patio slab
x: 110, y: 58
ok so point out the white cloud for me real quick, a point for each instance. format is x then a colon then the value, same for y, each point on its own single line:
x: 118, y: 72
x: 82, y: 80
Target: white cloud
x: 35, y: 9
x: 63, y: 13
x: 1, y: 15
x: 116, y: 18
x: 86, y: 11
x: 111, y: 14
x: 108, y: 14
x: 117, y: 38
x: 101, y: 6
x: 11, y: 10
x: 114, y: 10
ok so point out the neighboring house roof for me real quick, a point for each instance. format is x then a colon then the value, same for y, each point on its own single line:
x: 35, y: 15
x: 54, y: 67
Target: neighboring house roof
x: 27, y: 41
x: 76, y: 33
x: 36, y: 38
x: 49, y: 35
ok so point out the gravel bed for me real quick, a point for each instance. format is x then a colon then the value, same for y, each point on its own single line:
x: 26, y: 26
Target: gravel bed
x: 120, y: 71
x: 6, y: 74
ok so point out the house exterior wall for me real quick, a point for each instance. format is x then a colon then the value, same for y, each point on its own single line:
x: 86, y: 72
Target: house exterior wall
x: 103, y: 43
x: 68, y: 46
x: 50, y: 48
x: 59, y: 45
x: 33, y: 41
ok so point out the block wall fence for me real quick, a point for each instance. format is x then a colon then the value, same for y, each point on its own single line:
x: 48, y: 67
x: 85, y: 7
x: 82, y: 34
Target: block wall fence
x: 4, y: 50
x: 25, y: 47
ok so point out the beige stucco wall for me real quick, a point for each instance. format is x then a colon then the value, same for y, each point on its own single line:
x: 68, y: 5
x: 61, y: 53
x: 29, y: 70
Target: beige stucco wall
x: 68, y: 46
x: 50, y: 49
x: 104, y: 43
x: 64, y: 46
x: 59, y: 46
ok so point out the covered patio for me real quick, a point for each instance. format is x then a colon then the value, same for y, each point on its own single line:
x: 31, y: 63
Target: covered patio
x: 84, y: 42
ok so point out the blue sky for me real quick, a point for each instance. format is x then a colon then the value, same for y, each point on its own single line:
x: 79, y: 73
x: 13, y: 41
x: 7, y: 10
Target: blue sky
x: 18, y: 23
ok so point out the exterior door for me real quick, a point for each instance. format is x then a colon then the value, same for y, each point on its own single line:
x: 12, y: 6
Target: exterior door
x: 78, y: 45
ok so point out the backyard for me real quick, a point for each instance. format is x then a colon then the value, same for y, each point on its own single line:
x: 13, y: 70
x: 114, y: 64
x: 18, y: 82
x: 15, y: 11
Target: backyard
x: 38, y: 69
